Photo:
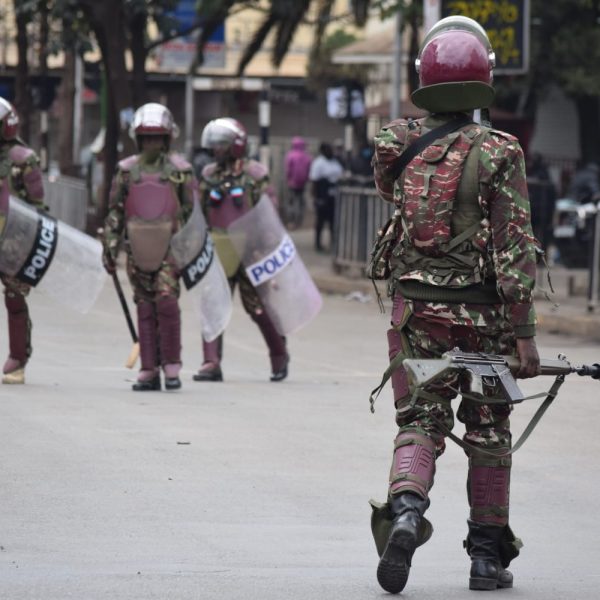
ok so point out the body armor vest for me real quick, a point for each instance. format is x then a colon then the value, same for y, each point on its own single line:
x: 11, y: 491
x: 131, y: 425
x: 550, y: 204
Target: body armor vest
x: 151, y: 210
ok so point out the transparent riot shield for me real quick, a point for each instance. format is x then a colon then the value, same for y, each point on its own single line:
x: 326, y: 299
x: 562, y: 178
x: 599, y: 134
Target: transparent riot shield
x: 203, y: 274
x: 51, y: 256
x: 272, y: 264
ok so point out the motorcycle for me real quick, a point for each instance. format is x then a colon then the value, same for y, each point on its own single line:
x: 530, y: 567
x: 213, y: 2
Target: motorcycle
x: 573, y: 232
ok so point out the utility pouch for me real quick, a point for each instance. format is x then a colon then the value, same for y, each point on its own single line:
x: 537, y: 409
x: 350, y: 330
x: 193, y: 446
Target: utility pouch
x: 381, y: 252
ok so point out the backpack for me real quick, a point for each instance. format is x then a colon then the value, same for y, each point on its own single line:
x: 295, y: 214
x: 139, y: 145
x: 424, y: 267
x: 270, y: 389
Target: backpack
x: 432, y: 170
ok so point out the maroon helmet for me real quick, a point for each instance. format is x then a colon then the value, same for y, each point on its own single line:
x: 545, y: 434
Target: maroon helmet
x: 455, y: 65
x: 225, y: 131
x: 9, y: 121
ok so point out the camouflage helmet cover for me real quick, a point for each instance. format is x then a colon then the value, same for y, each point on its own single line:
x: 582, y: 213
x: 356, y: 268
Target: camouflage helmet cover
x: 455, y: 65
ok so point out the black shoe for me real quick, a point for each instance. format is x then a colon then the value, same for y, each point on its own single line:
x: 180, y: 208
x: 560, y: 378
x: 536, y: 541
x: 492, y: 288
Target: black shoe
x: 489, y: 575
x: 483, y: 544
x: 394, y: 565
x: 282, y: 373
x: 150, y: 385
x: 172, y: 383
x: 212, y: 374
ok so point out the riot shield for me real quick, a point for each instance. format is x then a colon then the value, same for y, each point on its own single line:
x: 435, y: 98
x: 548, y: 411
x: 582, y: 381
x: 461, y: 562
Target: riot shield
x: 56, y: 259
x: 272, y: 264
x: 203, y: 274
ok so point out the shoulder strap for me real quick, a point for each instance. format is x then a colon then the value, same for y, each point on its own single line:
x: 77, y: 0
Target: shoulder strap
x: 426, y: 140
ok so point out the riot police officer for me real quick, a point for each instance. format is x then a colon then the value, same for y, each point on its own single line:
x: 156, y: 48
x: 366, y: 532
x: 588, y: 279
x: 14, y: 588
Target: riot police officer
x: 230, y: 186
x: 462, y: 273
x: 152, y: 195
x: 20, y: 168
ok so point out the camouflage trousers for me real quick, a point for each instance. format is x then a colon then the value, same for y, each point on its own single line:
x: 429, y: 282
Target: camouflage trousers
x: 427, y: 330
x: 250, y: 300
x: 151, y: 286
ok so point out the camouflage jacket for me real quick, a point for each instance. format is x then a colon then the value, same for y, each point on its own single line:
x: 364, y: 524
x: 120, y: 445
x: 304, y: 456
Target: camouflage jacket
x: 506, y: 242
x: 20, y: 165
x: 218, y: 186
x: 172, y: 168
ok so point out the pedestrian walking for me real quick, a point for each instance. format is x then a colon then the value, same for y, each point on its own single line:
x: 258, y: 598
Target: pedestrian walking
x: 325, y: 173
x: 461, y: 273
x: 297, y: 168
x: 20, y: 172
x: 152, y: 196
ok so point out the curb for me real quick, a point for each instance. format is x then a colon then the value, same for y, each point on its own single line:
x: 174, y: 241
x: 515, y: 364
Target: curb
x: 587, y: 327
x: 582, y: 325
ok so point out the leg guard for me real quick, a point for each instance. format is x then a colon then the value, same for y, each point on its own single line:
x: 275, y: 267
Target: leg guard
x: 19, y: 328
x: 399, y: 377
x: 488, y: 489
x: 211, y: 366
x: 169, y: 328
x: 276, y: 344
x: 413, y: 465
x: 213, y: 351
x: 147, y: 335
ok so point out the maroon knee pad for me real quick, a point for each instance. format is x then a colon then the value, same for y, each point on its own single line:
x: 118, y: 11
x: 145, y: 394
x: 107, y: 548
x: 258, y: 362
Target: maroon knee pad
x: 18, y: 327
x: 489, y: 491
x: 169, y: 327
x: 147, y: 335
x: 413, y: 465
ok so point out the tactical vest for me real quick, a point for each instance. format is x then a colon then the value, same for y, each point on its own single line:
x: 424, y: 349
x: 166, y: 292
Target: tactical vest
x: 445, y: 234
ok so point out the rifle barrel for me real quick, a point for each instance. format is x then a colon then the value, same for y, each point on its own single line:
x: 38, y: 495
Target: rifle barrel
x: 547, y: 366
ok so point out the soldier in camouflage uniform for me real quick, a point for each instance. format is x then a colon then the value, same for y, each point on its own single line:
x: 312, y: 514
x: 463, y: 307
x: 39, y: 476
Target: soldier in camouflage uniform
x: 20, y: 167
x: 462, y: 271
x: 230, y: 187
x: 152, y: 196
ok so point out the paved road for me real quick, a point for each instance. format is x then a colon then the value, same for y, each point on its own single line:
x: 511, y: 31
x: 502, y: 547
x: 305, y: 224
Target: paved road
x: 255, y: 490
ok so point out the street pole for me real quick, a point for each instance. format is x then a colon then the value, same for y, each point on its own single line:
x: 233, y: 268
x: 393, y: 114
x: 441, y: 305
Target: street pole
x: 595, y: 264
x: 397, y: 69
x: 264, y: 123
x: 431, y: 14
x: 189, y: 116
x: 77, y: 107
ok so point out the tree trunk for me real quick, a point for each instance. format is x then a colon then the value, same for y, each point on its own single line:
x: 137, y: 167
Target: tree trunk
x: 66, y: 100
x: 23, y: 103
x: 107, y: 20
x: 44, y: 92
x: 137, y: 29
x: 588, y: 115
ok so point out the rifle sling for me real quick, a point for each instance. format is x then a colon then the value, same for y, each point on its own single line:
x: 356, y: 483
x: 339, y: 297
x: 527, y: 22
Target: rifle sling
x: 470, y: 448
x: 426, y: 140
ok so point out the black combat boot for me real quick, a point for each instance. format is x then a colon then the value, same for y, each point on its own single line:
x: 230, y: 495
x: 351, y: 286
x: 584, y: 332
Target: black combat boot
x: 394, y: 565
x: 482, y: 544
x: 147, y: 385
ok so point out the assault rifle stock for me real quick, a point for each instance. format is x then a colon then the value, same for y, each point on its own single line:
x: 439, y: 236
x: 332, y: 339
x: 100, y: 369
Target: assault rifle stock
x: 488, y: 371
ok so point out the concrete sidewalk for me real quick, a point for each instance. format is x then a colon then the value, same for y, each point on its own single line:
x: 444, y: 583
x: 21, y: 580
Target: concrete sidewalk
x: 567, y: 314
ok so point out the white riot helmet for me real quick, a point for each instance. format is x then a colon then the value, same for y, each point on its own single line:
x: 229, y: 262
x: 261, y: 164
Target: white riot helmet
x: 153, y: 119
x: 227, y: 131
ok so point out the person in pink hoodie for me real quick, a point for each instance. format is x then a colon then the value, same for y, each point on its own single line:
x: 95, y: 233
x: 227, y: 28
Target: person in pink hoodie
x: 297, y: 167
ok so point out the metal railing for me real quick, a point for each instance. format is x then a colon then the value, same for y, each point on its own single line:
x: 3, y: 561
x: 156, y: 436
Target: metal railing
x: 359, y: 213
x: 67, y: 199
